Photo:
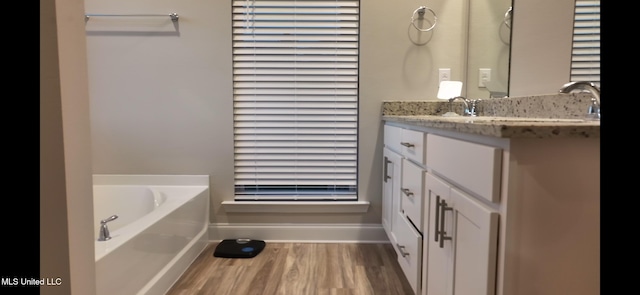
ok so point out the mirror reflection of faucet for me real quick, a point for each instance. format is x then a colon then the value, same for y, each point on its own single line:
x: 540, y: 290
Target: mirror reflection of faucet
x: 465, y: 111
x: 593, y: 112
x: 470, y: 106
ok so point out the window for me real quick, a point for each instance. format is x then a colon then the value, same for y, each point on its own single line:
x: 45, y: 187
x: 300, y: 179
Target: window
x: 295, y: 75
x: 585, y: 57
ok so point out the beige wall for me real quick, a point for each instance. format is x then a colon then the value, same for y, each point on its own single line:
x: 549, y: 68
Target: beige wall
x: 66, y: 206
x: 161, y: 95
x: 161, y: 92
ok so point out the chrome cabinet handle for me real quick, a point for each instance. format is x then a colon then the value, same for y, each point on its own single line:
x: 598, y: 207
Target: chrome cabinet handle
x: 407, y: 144
x: 386, y: 169
x: 436, y: 231
x: 401, y: 248
x: 443, y: 207
x: 407, y: 192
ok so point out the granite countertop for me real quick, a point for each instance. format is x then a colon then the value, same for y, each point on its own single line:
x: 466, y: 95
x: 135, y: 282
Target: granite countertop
x: 544, y: 116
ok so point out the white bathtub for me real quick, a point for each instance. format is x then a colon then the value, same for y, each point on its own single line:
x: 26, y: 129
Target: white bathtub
x: 161, y: 228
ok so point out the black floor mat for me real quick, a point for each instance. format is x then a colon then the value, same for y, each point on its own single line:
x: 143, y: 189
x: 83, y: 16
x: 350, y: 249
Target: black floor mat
x: 239, y: 248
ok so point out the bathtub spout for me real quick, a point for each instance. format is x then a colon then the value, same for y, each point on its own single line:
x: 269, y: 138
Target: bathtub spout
x: 104, y: 230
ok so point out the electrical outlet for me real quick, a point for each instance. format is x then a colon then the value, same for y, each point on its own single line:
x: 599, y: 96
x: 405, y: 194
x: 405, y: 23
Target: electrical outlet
x: 444, y: 74
x: 484, y: 75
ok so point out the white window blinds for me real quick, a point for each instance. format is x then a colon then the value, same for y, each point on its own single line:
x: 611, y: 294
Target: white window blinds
x: 295, y: 82
x: 585, y: 57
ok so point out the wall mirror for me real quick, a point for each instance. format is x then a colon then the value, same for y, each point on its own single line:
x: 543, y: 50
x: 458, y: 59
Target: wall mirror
x: 488, y: 48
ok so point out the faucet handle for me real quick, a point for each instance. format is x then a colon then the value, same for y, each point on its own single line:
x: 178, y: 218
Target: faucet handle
x: 473, y: 108
x: 108, y: 219
x: 593, y: 112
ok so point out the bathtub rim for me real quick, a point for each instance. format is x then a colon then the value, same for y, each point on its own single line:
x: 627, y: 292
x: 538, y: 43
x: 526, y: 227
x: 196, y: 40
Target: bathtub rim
x: 150, y: 179
x: 196, y: 184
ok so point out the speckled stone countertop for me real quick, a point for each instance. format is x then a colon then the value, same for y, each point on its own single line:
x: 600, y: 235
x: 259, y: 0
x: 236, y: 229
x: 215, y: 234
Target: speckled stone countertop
x: 551, y: 116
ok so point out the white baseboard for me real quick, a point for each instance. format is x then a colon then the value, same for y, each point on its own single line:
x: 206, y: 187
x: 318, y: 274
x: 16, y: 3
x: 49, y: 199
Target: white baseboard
x: 308, y: 233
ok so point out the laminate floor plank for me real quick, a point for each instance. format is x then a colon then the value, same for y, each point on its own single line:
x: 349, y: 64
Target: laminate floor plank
x: 297, y: 269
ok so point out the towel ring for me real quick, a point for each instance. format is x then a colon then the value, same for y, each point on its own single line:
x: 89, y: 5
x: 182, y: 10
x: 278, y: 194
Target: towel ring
x: 507, y: 17
x: 420, y: 11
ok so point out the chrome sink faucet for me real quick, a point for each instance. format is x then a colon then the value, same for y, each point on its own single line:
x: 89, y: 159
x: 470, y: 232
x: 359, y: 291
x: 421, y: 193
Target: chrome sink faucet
x: 470, y: 105
x: 593, y: 112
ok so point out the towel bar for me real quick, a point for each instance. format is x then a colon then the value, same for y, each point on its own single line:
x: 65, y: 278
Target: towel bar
x: 174, y: 16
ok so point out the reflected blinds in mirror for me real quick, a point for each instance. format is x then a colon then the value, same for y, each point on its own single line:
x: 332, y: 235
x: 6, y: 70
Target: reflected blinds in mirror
x: 585, y: 57
x: 295, y: 91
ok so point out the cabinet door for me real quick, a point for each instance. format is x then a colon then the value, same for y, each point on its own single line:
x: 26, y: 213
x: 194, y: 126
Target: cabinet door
x: 475, y: 240
x: 462, y: 242
x: 438, y: 272
x: 391, y: 179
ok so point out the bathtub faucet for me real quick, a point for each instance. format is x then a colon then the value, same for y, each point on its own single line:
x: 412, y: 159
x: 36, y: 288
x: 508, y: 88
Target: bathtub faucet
x: 104, y: 230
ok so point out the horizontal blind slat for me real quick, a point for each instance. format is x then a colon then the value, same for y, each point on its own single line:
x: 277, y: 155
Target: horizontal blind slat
x: 293, y: 98
x: 298, y: 138
x: 293, y: 91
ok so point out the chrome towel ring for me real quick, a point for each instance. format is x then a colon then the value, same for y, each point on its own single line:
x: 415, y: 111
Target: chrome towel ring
x: 420, y: 12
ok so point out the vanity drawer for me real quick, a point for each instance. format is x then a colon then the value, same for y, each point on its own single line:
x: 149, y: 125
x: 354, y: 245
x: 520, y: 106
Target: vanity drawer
x: 412, y: 193
x: 413, y: 145
x: 409, y: 143
x: 473, y: 166
x: 393, y: 138
x: 409, y: 250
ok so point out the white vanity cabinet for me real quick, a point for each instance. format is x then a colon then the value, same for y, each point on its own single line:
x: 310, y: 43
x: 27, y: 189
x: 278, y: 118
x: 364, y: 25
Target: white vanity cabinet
x: 445, y: 237
x: 498, y: 215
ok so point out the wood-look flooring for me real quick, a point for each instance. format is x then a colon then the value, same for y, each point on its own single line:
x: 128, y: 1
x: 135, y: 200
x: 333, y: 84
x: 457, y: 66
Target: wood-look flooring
x: 297, y: 269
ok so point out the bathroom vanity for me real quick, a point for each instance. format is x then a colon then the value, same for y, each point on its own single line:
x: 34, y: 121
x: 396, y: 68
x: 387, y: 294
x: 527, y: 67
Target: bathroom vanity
x: 499, y: 204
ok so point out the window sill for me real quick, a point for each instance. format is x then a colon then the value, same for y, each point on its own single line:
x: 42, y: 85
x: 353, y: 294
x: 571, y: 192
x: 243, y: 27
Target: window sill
x: 295, y: 207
